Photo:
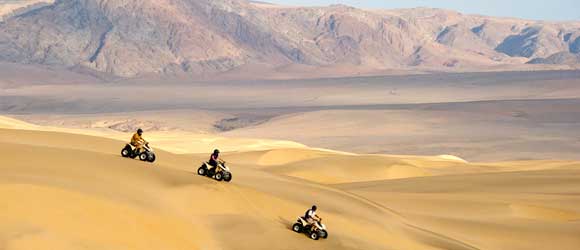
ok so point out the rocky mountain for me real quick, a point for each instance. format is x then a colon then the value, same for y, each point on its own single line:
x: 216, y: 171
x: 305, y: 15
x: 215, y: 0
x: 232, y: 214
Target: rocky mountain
x: 10, y: 8
x: 133, y: 37
x: 558, y: 58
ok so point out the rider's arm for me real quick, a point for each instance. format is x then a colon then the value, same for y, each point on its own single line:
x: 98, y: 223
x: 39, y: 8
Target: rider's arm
x: 142, y: 140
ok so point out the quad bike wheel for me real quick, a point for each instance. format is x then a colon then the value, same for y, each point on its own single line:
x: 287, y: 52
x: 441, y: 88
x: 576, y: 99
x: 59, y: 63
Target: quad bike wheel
x: 219, y: 176
x: 227, y: 176
x: 210, y: 172
x: 143, y: 156
x: 297, y: 227
x: 202, y: 170
x: 151, y: 158
x: 314, y: 235
x: 323, y: 234
x: 126, y: 152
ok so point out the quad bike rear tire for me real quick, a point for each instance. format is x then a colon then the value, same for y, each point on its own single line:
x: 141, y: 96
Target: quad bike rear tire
x: 297, y: 227
x: 126, y: 152
x: 202, y: 170
x: 219, y: 176
x: 210, y: 172
x: 227, y: 177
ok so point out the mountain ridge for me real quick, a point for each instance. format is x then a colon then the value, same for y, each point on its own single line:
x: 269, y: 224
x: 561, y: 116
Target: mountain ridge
x: 194, y: 37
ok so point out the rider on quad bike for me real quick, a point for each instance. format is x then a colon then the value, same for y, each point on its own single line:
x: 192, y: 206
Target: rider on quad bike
x: 137, y: 141
x: 311, y: 224
x: 214, y: 159
x: 138, y: 147
x: 215, y: 168
x: 311, y: 216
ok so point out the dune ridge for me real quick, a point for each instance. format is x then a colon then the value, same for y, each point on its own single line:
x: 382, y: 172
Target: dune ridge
x: 180, y: 142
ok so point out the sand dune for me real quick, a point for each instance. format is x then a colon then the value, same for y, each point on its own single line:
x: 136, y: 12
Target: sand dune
x: 96, y: 199
x: 535, y: 212
x: 512, y: 210
x: 71, y: 190
x: 335, y: 167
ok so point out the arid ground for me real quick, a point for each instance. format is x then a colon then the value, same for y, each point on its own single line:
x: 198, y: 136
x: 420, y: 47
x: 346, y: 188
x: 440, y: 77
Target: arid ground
x: 431, y: 161
x: 410, y: 129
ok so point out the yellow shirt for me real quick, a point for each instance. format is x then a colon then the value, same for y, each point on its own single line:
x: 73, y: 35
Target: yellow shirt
x: 137, y: 139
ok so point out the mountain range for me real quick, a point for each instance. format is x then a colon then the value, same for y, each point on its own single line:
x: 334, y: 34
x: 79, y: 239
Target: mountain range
x: 136, y: 37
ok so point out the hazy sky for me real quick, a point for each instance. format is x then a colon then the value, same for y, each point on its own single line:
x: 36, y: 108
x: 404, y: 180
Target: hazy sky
x: 530, y: 9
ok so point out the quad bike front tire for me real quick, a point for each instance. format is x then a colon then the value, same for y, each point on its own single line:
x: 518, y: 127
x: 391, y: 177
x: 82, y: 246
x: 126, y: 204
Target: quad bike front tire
x: 227, y: 176
x: 202, y: 170
x: 314, y: 235
x: 151, y: 158
x: 297, y: 227
x: 219, y: 176
x: 323, y: 234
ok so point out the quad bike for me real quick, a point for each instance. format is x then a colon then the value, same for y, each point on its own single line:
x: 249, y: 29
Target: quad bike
x: 222, y: 172
x: 147, y: 153
x: 315, y: 231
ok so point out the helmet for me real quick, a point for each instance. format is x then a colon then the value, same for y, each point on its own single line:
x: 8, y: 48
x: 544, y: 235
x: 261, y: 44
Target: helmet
x: 140, y: 131
x: 216, y: 151
x: 314, y: 207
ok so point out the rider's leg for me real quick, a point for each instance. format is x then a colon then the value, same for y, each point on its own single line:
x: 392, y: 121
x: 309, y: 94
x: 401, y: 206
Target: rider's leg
x: 139, y: 148
x: 213, y: 163
x: 310, y: 222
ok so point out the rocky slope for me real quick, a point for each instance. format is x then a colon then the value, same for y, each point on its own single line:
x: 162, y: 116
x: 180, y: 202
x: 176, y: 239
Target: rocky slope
x: 9, y: 8
x: 133, y: 37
